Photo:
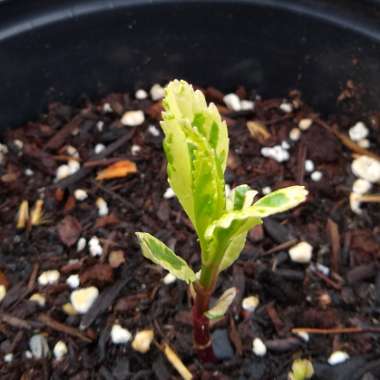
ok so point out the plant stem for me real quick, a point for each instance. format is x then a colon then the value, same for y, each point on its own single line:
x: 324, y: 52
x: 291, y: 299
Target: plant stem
x: 201, y: 331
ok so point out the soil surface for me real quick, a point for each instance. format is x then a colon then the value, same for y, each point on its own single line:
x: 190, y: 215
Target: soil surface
x: 340, y: 289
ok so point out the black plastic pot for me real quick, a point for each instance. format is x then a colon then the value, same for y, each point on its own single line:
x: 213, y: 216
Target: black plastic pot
x: 64, y: 48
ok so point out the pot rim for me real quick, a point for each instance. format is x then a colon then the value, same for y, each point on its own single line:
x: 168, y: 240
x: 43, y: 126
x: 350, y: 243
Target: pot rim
x: 17, y: 17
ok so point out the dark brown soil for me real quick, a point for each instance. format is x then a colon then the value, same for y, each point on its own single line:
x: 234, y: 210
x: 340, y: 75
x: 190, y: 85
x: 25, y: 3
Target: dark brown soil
x: 132, y: 292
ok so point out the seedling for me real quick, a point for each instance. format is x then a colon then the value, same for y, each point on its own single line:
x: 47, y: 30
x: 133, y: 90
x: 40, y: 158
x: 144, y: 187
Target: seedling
x: 196, y: 147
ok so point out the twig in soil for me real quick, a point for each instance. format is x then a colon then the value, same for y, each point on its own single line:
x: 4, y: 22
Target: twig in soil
x: 281, y: 247
x: 59, y: 138
x: 273, y: 315
x: 301, y: 157
x: 84, y: 171
x: 334, y: 236
x: 328, y: 280
x: 346, y: 140
x: 176, y: 362
x: 33, y: 276
x: 58, y: 326
x: 15, y: 322
x: 235, y: 337
x: 337, y: 330
x: 113, y: 195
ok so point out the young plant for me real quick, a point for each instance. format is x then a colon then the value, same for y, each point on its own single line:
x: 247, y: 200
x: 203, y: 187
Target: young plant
x: 196, y: 147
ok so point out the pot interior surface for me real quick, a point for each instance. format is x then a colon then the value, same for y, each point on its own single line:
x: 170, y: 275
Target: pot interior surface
x: 62, y: 51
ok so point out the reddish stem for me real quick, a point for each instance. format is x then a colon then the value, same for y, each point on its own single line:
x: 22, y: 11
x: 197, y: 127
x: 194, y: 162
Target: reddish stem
x: 201, y: 330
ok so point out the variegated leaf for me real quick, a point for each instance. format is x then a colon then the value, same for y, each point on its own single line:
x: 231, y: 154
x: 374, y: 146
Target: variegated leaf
x: 196, y: 147
x: 156, y: 251
x: 222, y: 305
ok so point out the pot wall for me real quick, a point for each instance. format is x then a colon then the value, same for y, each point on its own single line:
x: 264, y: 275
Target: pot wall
x: 61, y: 51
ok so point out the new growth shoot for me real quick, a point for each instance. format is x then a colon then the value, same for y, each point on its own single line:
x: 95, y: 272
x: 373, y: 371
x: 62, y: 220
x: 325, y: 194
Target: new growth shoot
x: 196, y: 147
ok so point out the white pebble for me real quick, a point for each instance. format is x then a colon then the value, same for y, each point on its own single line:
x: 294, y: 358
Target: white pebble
x: 62, y: 172
x: 316, y: 176
x: 100, y: 125
x: 95, y: 247
x: 133, y: 118
x: 142, y: 341
x: 60, y: 350
x: 28, y: 172
x: 367, y: 168
x: 258, y: 347
x: 157, y: 92
x: 3, y: 292
x: 285, y: 145
x: 364, y: 143
x: 169, y: 193
x: 277, y: 153
x: 99, y: 148
x: 18, y: 144
x: 96, y: 250
x: 247, y: 105
x: 338, y: 357
x: 39, y: 346
x: 295, y: 134
x: 266, y: 190
x: 232, y: 101
x: 169, y: 279
x: 74, y: 166
x: 8, y: 358
x: 49, y: 277
x: 120, y: 335
x: 153, y: 130
x: 141, y: 94
x: 135, y: 149
x: 107, y: 108
x: 28, y: 354
x: 81, y: 244
x: 301, y: 252
x: 305, y: 124
x: 322, y: 268
x: 102, y: 206
x: 355, y: 203
x: 303, y: 335
x: 80, y: 195
x: 250, y: 303
x: 83, y: 299
x: 358, y: 132
x: 3, y: 148
x: 72, y: 151
x: 73, y: 281
x: 361, y: 186
x: 38, y: 298
x: 309, y: 166
x: 286, y: 107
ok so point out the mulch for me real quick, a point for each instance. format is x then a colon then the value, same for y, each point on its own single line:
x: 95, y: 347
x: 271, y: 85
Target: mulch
x: 343, y: 293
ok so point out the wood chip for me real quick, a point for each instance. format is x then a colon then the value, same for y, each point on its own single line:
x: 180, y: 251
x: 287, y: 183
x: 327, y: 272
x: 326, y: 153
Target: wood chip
x: 334, y: 236
x: 117, y: 170
x: 258, y: 131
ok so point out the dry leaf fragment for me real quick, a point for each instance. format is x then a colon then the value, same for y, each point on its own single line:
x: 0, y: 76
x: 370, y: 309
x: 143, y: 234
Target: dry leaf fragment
x: 258, y: 131
x: 116, y: 258
x: 23, y: 215
x: 69, y: 230
x: 36, y: 214
x: 118, y: 169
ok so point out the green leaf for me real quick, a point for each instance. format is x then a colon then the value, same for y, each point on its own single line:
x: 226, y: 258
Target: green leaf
x: 156, y: 251
x: 196, y: 147
x: 222, y: 305
x: 227, y: 235
x: 279, y: 201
